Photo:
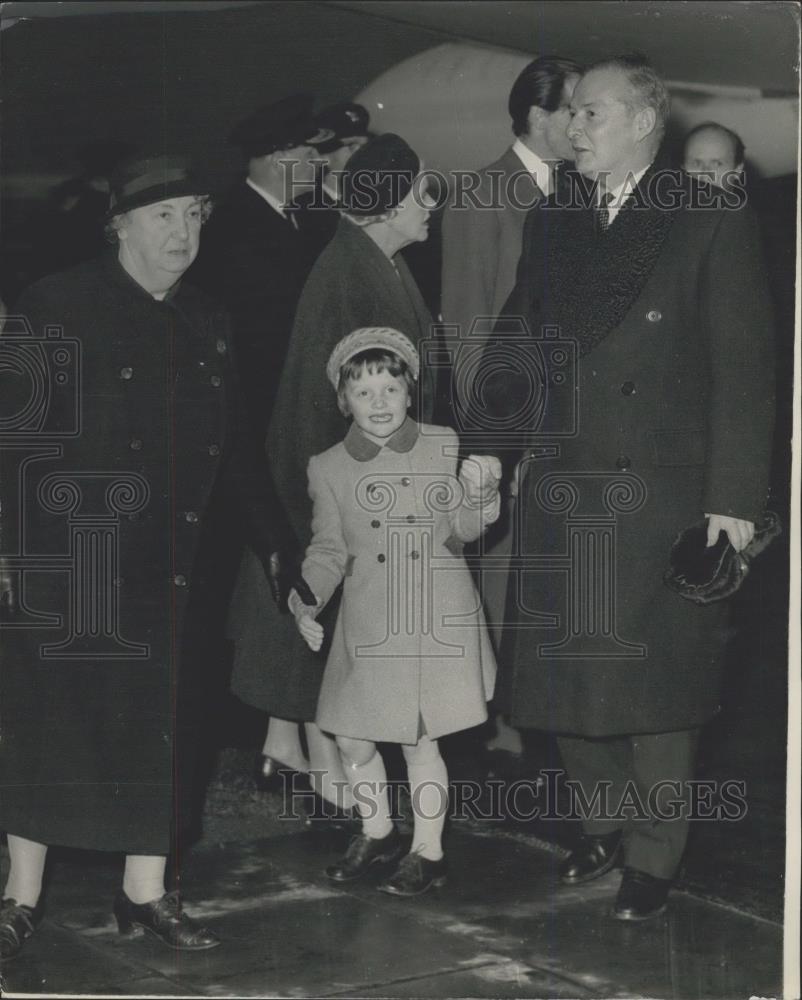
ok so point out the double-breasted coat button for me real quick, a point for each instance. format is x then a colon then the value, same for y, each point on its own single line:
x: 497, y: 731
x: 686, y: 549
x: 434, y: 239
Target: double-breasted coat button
x: 375, y: 524
x: 628, y: 388
x: 221, y: 346
x: 191, y: 516
x: 411, y: 518
x: 214, y: 449
x: 180, y: 580
x: 371, y: 489
x: 135, y: 444
x: 381, y: 557
x: 216, y: 381
x: 414, y: 555
x: 126, y: 373
x: 405, y: 481
x: 654, y: 315
x: 623, y: 462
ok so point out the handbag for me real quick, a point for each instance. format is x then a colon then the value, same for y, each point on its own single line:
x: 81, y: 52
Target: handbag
x: 705, y: 574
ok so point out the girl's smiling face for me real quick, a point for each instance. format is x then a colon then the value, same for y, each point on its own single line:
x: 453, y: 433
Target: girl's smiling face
x: 378, y: 402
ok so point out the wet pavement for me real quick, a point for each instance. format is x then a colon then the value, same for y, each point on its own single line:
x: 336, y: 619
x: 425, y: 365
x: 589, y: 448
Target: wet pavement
x: 502, y: 926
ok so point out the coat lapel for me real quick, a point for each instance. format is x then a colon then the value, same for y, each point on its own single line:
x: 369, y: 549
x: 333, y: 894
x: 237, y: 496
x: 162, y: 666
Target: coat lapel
x: 593, y: 279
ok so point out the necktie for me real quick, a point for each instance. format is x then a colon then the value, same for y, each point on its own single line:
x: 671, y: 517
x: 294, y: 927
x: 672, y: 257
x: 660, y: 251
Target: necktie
x: 603, y: 213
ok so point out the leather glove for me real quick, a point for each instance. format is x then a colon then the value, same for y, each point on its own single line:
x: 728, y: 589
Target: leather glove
x: 283, y: 574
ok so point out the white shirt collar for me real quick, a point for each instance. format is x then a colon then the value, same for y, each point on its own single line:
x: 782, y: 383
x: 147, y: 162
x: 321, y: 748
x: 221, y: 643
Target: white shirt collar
x: 622, y: 191
x: 538, y: 168
x: 272, y: 201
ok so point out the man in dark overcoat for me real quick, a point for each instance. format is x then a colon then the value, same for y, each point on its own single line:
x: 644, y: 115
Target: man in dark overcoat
x: 666, y: 417
x: 255, y: 256
x: 360, y: 279
x: 125, y: 418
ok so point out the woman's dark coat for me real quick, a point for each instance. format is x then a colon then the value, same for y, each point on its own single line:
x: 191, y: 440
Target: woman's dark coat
x: 138, y: 424
x: 353, y: 284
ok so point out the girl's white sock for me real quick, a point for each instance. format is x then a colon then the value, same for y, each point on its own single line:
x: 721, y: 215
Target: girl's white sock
x: 428, y: 785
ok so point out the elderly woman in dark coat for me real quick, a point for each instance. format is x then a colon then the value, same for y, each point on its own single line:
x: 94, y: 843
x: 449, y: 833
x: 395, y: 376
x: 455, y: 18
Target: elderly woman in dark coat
x: 103, y: 547
x: 359, y: 280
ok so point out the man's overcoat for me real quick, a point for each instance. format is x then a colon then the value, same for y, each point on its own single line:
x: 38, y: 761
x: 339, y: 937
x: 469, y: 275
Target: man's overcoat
x: 653, y: 405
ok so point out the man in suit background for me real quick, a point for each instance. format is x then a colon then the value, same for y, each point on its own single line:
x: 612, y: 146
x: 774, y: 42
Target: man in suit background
x: 481, y: 246
x: 658, y: 283
x: 256, y: 258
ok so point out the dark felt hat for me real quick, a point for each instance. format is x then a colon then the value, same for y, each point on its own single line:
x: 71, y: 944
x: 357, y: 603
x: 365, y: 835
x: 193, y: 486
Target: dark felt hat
x: 148, y: 178
x: 282, y: 125
x: 379, y: 175
x: 704, y: 575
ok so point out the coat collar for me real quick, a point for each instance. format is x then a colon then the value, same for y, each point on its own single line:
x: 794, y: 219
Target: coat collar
x: 362, y: 449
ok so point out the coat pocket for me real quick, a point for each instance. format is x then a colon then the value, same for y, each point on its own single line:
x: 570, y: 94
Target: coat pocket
x: 678, y: 447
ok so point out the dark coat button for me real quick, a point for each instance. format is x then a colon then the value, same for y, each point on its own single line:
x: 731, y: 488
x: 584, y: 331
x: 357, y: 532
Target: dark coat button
x: 411, y: 518
x: 654, y: 315
x: 375, y: 524
x: 216, y: 381
x: 381, y: 557
x: 180, y: 580
x: 126, y: 373
x: 191, y: 516
x: 414, y: 555
x: 623, y: 462
x: 405, y: 481
x: 135, y: 444
x: 628, y: 388
x: 214, y: 449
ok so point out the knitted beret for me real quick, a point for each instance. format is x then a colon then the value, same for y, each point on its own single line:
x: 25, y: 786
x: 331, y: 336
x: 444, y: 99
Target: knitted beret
x: 367, y: 337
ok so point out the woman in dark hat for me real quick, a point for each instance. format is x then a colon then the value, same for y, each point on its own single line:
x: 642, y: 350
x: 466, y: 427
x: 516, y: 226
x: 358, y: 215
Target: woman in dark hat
x: 101, y: 682
x: 359, y: 280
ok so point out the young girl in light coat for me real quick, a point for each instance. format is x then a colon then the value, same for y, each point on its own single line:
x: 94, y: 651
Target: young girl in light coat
x: 410, y: 660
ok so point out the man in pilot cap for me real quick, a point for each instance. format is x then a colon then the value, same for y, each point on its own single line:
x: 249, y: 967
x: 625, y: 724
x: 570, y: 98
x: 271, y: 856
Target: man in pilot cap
x: 319, y: 213
x: 255, y: 257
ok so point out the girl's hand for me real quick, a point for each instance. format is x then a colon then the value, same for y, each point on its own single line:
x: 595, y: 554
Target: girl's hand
x: 311, y: 630
x: 480, y: 476
x: 304, y: 615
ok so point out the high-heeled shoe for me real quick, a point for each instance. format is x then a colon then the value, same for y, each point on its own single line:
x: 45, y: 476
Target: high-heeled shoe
x: 164, y: 919
x: 271, y: 766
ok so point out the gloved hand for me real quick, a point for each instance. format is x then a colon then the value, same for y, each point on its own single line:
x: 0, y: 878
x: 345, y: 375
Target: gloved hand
x: 283, y: 574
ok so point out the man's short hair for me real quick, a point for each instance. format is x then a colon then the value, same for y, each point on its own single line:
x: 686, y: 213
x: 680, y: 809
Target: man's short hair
x: 738, y: 148
x: 539, y: 84
x: 648, y: 89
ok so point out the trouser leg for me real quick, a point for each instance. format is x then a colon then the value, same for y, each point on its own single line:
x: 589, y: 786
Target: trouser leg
x: 663, y: 764
x: 601, y: 769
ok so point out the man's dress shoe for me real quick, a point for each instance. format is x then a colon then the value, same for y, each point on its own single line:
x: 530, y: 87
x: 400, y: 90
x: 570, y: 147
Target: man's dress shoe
x: 592, y: 858
x: 641, y: 896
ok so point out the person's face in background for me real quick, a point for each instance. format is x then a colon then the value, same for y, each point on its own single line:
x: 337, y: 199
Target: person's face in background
x: 410, y: 219
x: 710, y: 153
x: 299, y: 167
x: 556, y: 122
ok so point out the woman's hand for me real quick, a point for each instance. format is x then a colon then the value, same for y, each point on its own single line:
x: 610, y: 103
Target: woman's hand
x: 480, y: 476
x: 304, y: 615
